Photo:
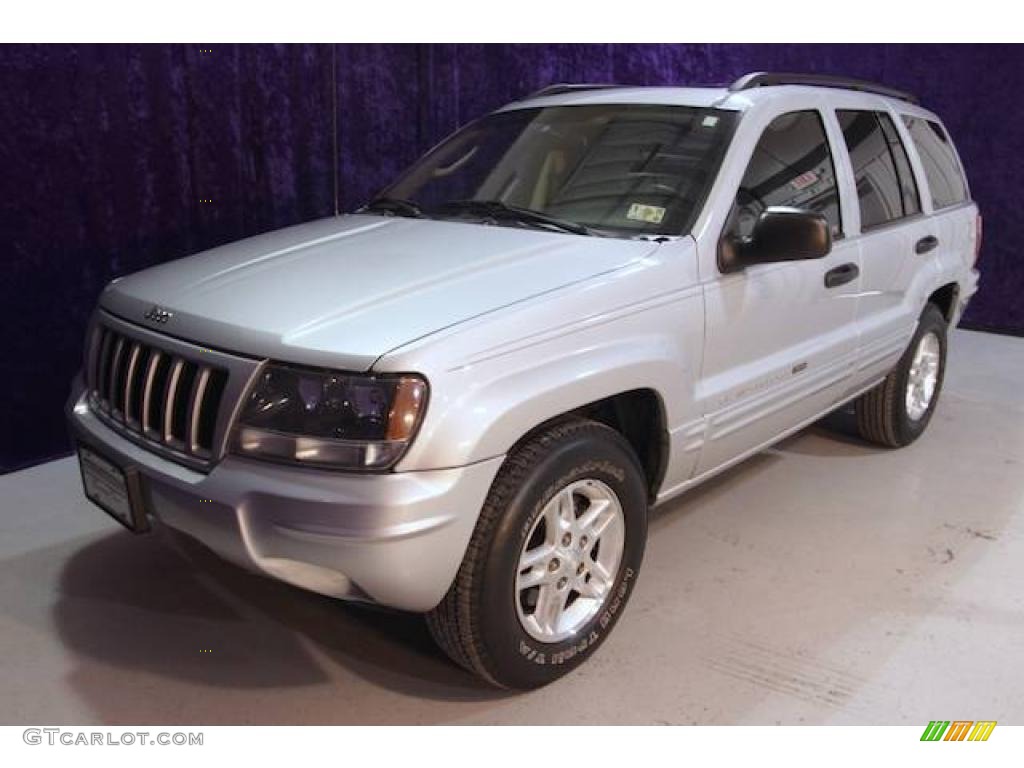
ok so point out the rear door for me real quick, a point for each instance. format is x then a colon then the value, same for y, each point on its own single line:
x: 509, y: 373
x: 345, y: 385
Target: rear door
x: 897, y: 240
x: 780, y: 344
x: 945, y: 192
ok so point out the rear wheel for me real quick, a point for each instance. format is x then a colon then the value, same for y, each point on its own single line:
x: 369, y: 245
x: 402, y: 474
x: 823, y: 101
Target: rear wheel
x: 897, y: 411
x: 552, y: 561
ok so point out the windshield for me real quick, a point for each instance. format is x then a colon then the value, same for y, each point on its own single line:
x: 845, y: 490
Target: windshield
x: 625, y: 169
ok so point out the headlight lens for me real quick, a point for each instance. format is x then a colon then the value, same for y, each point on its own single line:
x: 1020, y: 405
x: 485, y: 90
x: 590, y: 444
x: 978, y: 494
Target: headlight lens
x: 331, y: 419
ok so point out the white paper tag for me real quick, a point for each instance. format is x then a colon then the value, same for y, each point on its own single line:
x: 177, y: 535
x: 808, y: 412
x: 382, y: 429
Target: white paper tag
x: 652, y: 214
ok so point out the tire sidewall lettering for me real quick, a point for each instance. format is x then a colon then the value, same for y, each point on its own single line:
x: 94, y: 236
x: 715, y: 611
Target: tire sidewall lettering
x: 591, y: 636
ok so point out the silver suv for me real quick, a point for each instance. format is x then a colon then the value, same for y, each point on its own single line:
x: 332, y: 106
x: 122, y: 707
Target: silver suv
x: 463, y: 399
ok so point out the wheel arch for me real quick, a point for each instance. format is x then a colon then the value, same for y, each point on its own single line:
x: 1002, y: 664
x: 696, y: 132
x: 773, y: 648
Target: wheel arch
x: 638, y: 415
x: 945, y: 298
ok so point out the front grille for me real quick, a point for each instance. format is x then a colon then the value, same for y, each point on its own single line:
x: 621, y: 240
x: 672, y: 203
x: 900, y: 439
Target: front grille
x: 148, y: 392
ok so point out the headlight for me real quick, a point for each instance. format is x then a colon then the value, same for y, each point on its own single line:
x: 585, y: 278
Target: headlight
x: 329, y: 419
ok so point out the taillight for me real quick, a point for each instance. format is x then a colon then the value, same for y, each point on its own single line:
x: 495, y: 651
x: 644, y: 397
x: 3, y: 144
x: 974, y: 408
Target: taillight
x: 977, y: 240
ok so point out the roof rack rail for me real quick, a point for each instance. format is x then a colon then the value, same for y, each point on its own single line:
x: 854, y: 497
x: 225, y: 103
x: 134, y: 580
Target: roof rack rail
x: 556, y: 88
x: 760, y: 79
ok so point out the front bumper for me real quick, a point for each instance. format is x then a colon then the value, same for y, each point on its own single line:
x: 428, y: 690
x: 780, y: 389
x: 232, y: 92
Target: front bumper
x: 396, y: 539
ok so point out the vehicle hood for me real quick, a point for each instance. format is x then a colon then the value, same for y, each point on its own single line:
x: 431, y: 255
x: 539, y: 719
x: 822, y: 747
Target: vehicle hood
x: 343, y: 291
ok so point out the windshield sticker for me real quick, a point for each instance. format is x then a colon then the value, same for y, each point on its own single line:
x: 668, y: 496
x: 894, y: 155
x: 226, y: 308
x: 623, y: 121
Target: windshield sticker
x: 709, y: 122
x: 652, y: 214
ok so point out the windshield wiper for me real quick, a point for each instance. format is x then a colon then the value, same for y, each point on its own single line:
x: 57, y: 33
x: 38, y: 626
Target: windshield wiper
x: 393, y: 205
x: 503, y: 211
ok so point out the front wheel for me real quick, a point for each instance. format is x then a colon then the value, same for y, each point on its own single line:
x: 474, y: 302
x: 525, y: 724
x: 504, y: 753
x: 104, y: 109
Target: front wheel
x: 552, y: 561
x: 896, y: 412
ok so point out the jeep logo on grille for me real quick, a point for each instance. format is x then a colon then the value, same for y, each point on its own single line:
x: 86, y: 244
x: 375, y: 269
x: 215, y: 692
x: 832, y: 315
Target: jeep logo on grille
x: 158, y: 314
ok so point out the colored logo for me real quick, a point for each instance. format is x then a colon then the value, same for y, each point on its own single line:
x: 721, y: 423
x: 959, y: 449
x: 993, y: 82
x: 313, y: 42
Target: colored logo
x: 958, y: 730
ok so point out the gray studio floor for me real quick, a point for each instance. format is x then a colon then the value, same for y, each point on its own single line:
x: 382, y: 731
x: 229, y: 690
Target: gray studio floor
x: 824, y: 581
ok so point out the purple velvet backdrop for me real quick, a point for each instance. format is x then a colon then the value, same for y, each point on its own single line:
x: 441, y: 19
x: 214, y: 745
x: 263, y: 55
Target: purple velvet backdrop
x: 107, y: 152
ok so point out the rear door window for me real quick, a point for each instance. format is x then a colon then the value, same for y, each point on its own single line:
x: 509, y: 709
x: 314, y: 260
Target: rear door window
x: 941, y: 169
x: 908, y: 185
x: 886, y: 190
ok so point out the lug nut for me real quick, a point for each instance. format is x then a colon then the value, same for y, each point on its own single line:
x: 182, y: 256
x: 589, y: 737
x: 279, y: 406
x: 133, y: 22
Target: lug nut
x: 579, y: 569
x: 567, y: 540
x: 553, y: 565
x: 562, y: 582
x: 583, y: 542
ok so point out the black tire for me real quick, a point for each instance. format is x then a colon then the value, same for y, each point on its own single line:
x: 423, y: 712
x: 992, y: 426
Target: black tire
x: 477, y: 623
x: 882, y: 415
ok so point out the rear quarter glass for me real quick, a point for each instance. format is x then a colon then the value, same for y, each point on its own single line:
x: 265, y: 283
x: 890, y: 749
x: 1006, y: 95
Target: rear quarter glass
x: 942, y: 170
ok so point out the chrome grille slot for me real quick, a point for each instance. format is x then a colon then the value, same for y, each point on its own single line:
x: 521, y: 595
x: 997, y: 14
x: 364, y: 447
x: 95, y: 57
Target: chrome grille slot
x: 93, y: 352
x: 115, y: 379
x: 99, y: 381
x: 155, y: 395
x: 195, y: 402
x: 132, y: 385
x: 170, y: 398
x: 179, y: 406
x: 205, y: 422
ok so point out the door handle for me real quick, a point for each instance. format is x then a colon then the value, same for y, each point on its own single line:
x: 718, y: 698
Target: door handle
x: 841, y: 275
x: 926, y: 244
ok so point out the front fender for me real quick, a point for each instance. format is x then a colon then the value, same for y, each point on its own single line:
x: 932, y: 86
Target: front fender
x: 492, y: 382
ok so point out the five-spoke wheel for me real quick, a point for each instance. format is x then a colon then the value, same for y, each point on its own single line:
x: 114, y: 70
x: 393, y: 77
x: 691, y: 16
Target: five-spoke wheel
x: 570, y: 560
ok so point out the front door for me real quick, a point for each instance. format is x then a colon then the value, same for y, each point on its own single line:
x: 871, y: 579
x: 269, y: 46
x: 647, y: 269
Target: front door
x: 781, y: 337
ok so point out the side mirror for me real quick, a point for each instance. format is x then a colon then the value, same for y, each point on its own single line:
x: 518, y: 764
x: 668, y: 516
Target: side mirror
x: 780, y: 234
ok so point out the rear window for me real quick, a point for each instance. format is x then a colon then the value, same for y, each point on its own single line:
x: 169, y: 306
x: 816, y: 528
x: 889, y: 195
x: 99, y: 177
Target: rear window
x: 941, y: 169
